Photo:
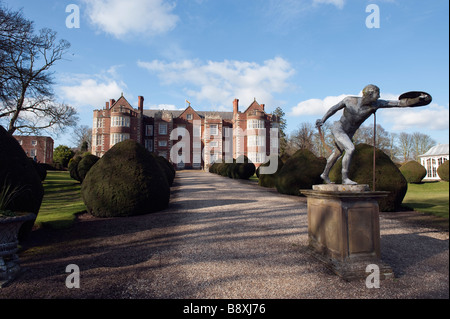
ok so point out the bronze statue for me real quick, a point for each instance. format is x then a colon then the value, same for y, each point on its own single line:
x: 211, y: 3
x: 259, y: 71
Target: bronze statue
x: 356, y: 111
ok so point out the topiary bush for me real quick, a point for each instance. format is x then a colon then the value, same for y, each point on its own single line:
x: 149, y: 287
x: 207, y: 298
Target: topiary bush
x: 301, y: 171
x: 40, y: 169
x: 387, y: 176
x: 85, y: 164
x: 443, y: 171
x: 166, y: 168
x: 18, y: 172
x: 243, y: 168
x: 73, y: 167
x: 126, y: 181
x: 413, y: 172
x: 269, y: 180
x: 213, y: 168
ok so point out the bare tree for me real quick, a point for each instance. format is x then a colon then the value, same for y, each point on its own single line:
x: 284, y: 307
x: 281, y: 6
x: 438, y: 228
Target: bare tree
x: 323, y: 147
x: 404, y: 144
x: 420, y: 144
x: 383, y: 140
x: 82, y: 135
x: 302, y: 138
x: 27, y: 102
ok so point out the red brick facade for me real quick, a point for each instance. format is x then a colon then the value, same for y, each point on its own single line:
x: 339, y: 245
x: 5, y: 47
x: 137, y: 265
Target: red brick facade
x: 188, y: 138
x: 39, y: 148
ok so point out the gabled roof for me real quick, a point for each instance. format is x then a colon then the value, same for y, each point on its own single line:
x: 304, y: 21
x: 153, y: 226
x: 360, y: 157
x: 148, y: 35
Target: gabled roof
x: 254, y: 104
x: 189, y: 107
x: 122, y: 99
x: 441, y: 149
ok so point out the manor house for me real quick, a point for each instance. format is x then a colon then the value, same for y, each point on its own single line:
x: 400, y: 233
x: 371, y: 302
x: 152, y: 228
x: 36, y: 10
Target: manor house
x: 188, y: 138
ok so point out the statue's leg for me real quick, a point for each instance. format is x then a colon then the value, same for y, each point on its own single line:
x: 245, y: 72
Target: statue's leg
x: 349, y: 148
x: 330, y: 162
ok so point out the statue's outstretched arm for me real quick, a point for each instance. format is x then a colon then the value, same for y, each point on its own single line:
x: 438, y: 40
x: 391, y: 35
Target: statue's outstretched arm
x: 331, y: 112
x: 420, y: 100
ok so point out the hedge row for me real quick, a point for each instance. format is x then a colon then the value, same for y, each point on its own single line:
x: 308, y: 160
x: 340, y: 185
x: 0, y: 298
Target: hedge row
x: 241, y: 168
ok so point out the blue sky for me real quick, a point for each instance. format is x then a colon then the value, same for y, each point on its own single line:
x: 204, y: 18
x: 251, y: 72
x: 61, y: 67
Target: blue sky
x: 301, y: 55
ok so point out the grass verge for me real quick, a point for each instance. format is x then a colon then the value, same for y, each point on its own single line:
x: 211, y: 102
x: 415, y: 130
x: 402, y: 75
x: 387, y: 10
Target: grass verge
x: 430, y: 197
x: 62, y: 201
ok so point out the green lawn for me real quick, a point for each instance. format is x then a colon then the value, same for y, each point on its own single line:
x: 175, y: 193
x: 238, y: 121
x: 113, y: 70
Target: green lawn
x: 430, y: 197
x: 62, y: 200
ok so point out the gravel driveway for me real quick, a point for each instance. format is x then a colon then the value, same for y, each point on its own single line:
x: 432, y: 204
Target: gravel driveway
x: 220, y: 238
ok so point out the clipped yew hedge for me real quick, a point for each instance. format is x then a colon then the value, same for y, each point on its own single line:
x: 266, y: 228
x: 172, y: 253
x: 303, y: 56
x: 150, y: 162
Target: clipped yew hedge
x: 126, y: 181
x: 269, y: 180
x: 240, y: 168
x: 443, y: 171
x: 18, y: 173
x: 84, y: 165
x: 301, y: 171
x: 413, y: 172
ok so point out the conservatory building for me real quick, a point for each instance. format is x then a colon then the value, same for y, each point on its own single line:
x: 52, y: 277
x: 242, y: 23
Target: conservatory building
x: 432, y: 159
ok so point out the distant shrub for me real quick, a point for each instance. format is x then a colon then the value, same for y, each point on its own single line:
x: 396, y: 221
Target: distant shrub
x: 213, y: 168
x: 85, y: 164
x: 443, y: 171
x: 243, y: 168
x: 240, y: 168
x: 413, y: 172
x: 73, y: 167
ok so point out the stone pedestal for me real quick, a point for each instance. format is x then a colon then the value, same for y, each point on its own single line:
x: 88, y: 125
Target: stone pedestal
x: 9, y: 261
x: 344, y: 229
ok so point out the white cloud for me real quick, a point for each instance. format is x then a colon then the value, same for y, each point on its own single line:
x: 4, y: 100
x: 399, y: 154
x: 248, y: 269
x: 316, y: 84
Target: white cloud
x: 431, y: 117
x: 220, y: 82
x: 337, y: 3
x: 121, y: 18
x: 316, y: 106
x: 168, y: 107
x: 321, y: 106
x: 93, y: 91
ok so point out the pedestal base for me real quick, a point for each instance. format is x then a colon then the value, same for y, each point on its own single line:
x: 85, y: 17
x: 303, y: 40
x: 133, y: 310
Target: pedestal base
x: 9, y: 270
x: 343, y: 229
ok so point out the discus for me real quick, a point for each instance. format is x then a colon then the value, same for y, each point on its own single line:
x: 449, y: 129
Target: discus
x: 416, y: 94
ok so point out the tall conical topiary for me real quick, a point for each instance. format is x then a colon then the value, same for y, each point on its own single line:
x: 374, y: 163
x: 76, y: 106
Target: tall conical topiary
x: 126, y: 181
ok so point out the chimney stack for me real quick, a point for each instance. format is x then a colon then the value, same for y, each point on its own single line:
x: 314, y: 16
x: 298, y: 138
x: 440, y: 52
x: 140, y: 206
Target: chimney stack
x: 141, y: 104
x: 236, y: 106
x: 262, y: 106
x: 107, y: 106
x: 111, y: 102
